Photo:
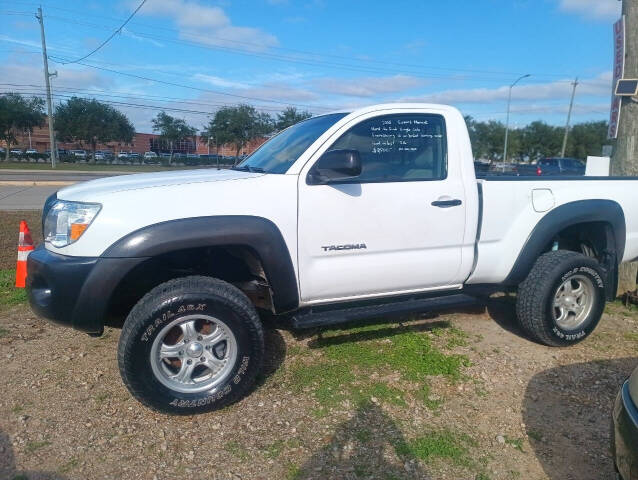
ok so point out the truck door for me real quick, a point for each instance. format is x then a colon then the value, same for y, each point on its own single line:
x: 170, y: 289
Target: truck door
x: 397, y: 227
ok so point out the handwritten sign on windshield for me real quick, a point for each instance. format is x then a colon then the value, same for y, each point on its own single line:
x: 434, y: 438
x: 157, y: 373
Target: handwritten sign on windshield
x: 400, y: 135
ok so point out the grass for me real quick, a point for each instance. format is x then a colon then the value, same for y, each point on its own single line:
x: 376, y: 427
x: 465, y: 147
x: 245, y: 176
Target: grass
x: 631, y: 336
x: 517, y: 443
x: 68, y: 466
x: 444, y: 444
x: 34, y: 446
x: 9, y: 295
x: 273, y: 450
x: 86, y: 167
x: 237, y: 449
x: 351, y: 356
x: 70, y: 167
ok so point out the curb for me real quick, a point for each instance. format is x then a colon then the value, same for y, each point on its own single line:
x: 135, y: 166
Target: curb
x: 35, y: 183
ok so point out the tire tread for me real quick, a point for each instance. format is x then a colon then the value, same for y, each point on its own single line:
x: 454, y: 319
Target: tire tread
x: 530, y: 304
x: 224, y: 293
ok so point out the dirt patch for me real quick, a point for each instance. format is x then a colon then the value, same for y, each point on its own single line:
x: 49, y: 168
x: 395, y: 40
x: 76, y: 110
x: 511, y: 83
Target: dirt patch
x: 482, y: 403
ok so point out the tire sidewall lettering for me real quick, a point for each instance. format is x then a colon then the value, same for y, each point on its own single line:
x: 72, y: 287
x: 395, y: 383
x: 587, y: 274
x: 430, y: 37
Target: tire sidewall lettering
x: 599, y: 290
x: 167, y: 312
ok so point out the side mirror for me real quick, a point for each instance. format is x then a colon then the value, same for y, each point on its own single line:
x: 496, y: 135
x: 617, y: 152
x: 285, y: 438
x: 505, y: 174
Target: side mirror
x: 334, y: 166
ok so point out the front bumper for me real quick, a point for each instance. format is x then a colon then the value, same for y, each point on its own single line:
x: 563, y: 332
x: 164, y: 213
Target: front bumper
x: 74, y: 291
x: 625, y: 435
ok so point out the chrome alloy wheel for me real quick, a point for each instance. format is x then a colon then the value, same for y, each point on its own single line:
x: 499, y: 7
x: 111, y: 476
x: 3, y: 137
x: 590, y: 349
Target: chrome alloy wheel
x: 573, y: 302
x: 194, y: 353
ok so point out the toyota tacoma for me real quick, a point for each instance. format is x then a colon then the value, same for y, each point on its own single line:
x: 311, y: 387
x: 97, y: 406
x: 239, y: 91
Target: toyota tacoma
x: 343, y: 216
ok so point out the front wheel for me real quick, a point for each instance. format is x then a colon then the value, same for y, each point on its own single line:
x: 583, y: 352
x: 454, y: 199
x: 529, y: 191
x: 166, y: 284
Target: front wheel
x: 191, y: 345
x: 562, y: 299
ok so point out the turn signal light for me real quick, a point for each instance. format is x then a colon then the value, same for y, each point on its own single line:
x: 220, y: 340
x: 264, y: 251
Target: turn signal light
x: 77, y: 229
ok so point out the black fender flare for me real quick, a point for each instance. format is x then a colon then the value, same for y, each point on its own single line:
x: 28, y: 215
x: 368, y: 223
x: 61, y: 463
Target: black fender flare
x: 561, y: 217
x: 257, y: 233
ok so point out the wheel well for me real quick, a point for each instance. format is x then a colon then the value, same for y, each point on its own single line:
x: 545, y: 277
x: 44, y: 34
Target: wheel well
x: 235, y: 264
x: 593, y: 239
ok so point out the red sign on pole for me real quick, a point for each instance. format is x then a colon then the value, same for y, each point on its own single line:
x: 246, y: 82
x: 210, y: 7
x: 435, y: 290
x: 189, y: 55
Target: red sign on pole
x: 619, y: 71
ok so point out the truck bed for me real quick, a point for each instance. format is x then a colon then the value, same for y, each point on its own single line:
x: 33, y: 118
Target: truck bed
x: 511, y: 207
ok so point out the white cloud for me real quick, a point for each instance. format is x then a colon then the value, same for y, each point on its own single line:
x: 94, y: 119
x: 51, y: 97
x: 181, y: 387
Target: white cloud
x: 596, y: 9
x: 128, y: 33
x: 32, y: 74
x: 208, y: 24
x: 368, y: 87
x: 218, y: 81
x: 599, y: 87
x: 281, y: 92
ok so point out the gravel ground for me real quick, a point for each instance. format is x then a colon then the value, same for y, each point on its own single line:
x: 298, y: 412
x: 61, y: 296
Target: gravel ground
x: 458, y: 395
x: 484, y: 403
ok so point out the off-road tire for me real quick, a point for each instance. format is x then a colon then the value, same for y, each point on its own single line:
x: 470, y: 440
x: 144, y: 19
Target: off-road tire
x: 535, y: 300
x: 182, y: 297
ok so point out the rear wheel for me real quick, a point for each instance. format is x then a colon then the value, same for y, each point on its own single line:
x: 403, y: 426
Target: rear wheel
x: 562, y: 299
x: 191, y: 345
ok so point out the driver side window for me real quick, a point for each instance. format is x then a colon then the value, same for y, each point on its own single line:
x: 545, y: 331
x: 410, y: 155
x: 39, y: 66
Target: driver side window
x: 398, y: 148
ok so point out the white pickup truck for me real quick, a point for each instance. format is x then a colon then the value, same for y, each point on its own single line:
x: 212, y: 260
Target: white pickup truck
x: 343, y: 216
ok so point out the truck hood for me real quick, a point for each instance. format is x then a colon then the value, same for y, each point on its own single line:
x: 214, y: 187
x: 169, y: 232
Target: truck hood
x: 89, y: 191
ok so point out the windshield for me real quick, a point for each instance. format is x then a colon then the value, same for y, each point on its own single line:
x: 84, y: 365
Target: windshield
x: 281, y: 151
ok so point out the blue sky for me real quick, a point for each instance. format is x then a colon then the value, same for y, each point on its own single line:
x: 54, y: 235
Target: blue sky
x: 318, y: 55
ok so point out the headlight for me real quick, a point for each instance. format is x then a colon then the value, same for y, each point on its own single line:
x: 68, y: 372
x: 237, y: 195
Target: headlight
x: 66, y: 221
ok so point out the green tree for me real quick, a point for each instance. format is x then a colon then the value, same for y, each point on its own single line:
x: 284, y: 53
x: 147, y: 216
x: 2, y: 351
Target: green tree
x: 289, y: 117
x: 90, y: 122
x: 172, y: 130
x: 238, y: 126
x: 587, y: 139
x: 541, y: 140
x: 18, y: 115
x: 489, y: 138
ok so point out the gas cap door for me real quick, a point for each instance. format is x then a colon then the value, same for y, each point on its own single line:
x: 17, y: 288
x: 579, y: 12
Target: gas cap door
x: 542, y: 199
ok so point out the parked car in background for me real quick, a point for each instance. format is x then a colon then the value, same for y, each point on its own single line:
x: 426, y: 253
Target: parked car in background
x: 61, y: 152
x: 99, y: 156
x: 15, y: 151
x: 624, y: 446
x: 134, y: 156
x: 560, y: 166
x: 122, y: 154
x: 79, y: 154
x: 502, y: 168
x: 31, y: 151
x: 150, y: 155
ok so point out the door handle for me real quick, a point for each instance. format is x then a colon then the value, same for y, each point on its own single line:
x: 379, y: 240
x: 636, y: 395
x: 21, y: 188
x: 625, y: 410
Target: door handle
x: 447, y: 203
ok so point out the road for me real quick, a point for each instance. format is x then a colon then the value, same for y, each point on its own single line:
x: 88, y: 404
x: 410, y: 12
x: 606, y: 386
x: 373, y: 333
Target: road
x: 27, y: 190
x: 9, y: 176
x: 24, y: 197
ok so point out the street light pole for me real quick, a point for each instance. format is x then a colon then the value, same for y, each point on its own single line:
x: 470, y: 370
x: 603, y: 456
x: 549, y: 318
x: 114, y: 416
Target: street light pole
x: 507, y: 123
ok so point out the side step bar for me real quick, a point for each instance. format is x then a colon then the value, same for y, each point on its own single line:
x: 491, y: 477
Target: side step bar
x: 325, y: 317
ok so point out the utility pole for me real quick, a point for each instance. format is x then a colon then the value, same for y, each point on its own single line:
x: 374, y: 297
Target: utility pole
x: 569, y: 117
x: 507, y: 123
x: 624, y: 161
x: 47, y: 80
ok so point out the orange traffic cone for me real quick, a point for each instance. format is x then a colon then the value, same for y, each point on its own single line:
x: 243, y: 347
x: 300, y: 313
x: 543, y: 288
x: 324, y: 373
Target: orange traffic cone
x: 25, y: 246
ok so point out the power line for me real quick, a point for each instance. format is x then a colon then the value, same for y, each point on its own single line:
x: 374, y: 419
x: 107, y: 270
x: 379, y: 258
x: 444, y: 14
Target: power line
x: 307, y: 61
x: 119, y: 30
x: 304, y: 52
x: 126, y: 95
x: 190, y: 87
